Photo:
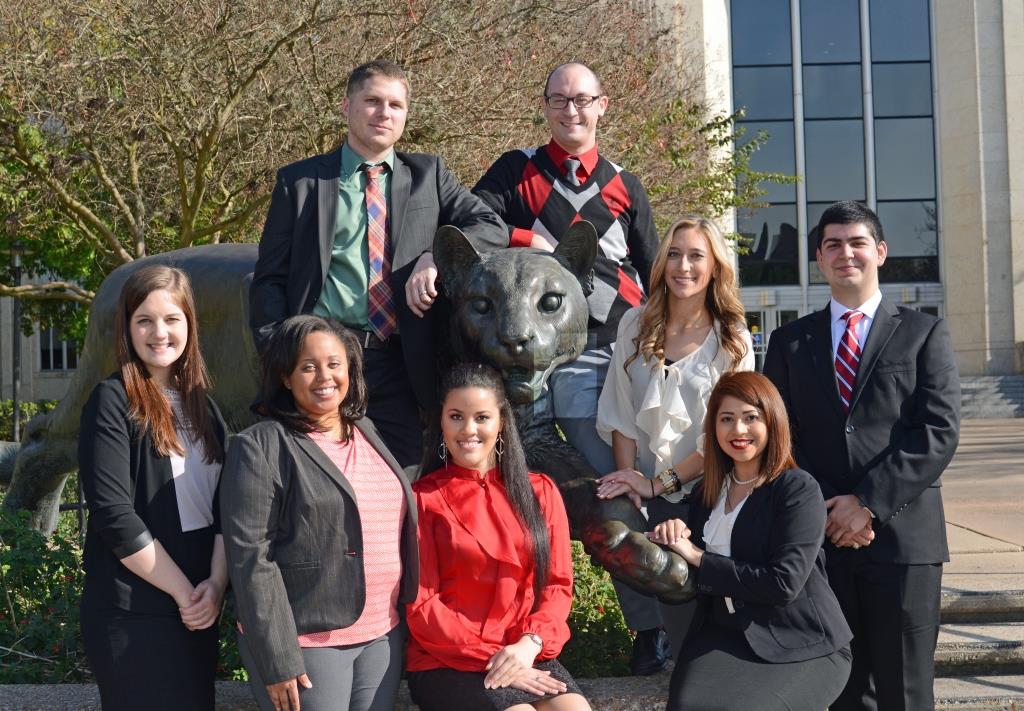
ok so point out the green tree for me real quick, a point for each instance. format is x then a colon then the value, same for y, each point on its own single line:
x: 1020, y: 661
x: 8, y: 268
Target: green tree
x: 132, y: 128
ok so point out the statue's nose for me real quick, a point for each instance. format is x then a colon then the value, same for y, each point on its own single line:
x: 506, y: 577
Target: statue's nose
x: 518, y: 341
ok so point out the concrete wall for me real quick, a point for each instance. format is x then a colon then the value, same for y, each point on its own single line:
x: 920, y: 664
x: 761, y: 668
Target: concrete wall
x: 977, y: 53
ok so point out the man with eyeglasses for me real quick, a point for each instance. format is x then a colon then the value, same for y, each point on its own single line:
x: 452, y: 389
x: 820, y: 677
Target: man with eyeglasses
x: 539, y: 193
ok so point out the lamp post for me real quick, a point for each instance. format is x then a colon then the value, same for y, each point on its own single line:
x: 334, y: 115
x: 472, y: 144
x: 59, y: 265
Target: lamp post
x: 17, y: 249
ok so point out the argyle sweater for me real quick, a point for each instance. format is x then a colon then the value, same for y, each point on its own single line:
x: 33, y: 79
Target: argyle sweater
x: 530, y: 193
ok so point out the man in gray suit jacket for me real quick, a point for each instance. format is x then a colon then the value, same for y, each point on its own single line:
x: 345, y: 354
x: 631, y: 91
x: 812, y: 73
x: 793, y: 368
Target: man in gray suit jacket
x: 316, y: 254
x: 873, y: 397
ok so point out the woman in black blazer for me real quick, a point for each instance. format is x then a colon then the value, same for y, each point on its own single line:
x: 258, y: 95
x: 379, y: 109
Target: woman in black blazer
x: 150, y: 449
x: 768, y: 632
x: 320, y: 530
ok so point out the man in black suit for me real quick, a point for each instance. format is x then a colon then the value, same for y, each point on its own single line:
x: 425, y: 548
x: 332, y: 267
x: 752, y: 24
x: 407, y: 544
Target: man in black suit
x: 873, y: 397
x: 348, y: 236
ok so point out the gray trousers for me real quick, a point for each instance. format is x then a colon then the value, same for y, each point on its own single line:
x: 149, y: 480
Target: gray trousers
x: 574, y: 391
x: 357, y: 677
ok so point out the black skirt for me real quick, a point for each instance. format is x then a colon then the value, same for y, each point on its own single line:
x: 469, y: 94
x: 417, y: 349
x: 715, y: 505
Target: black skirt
x: 451, y: 690
x: 152, y: 662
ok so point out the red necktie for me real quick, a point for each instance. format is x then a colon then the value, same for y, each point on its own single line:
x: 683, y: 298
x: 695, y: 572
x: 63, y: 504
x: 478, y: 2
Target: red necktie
x: 848, y: 358
x: 380, y: 300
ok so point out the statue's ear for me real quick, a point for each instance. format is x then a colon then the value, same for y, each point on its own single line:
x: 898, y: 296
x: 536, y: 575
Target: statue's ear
x: 454, y: 257
x: 577, y: 251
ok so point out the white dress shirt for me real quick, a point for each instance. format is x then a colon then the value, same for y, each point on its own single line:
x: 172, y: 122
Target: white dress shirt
x: 869, y: 308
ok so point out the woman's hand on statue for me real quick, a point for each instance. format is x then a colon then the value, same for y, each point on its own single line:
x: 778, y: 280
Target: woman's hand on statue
x: 535, y: 681
x: 674, y: 535
x: 625, y: 481
x: 508, y: 663
x: 285, y: 694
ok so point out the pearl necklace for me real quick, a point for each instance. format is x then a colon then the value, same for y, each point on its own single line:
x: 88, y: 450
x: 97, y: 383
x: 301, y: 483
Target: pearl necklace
x: 737, y: 482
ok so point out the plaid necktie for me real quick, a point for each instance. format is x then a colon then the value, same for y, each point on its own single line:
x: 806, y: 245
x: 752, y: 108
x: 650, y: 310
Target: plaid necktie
x: 571, y: 164
x: 380, y: 300
x: 848, y: 358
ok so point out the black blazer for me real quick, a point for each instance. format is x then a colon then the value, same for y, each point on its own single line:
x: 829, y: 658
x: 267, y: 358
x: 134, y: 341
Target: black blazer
x: 776, y: 574
x: 295, y: 250
x: 902, y: 429
x: 294, y: 545
x: 129, y: 489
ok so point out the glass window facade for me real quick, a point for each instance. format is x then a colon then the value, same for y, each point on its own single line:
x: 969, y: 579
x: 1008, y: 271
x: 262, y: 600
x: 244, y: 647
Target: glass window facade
x: 865, y: 113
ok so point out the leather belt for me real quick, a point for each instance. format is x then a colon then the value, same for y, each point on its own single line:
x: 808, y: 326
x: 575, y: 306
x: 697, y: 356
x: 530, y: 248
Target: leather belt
x: 371, y: 341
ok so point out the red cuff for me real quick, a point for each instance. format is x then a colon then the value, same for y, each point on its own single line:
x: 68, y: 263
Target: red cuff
x: 520, y: 237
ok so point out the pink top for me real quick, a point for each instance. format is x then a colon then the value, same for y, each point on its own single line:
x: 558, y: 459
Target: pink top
x: 381, y: 510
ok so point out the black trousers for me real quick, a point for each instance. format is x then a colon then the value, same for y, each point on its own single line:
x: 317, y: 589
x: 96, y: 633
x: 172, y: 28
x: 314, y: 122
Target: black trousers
x: 392, y: 403
x: 150, y: 662
x: 893, y: 610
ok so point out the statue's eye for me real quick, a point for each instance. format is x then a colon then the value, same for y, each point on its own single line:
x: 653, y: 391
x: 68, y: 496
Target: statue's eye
x: 550, y: 302
x: 481, y: 306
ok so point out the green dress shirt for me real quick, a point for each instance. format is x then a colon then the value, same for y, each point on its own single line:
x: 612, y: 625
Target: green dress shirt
x: 346, y: 287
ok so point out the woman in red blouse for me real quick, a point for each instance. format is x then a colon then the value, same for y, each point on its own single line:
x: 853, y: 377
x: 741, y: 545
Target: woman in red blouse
x: 495, y: 585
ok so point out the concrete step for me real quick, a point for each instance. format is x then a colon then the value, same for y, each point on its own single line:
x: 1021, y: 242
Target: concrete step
x: 982, y: 606
x: 980, y: 693
x: 993, y: 648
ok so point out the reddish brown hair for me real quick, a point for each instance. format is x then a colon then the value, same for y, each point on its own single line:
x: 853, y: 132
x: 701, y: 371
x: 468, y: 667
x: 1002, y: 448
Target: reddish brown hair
x: 757, y: 390
x: 147, y: 404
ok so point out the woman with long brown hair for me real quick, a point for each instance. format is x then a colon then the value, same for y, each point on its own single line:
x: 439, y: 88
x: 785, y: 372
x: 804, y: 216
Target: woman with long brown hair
x: 670, y: 352
x: 150, y: 450
x: 768, y: 632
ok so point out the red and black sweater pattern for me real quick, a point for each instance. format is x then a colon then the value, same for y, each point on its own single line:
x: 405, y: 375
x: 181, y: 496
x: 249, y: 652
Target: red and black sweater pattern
x: 531, y: 194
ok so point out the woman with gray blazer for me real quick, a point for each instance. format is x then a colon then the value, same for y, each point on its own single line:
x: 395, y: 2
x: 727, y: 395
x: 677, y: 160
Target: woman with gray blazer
x: 320, y: 531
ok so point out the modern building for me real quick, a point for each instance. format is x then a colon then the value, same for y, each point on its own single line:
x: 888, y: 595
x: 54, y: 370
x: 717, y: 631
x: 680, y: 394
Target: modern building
x: 906, y: 105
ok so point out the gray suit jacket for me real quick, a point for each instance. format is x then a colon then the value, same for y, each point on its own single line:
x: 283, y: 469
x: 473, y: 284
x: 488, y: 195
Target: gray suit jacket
x: 294, y: 545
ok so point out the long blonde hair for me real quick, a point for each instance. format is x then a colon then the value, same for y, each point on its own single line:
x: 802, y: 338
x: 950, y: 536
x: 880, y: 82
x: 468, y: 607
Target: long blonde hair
x: 722, y: 298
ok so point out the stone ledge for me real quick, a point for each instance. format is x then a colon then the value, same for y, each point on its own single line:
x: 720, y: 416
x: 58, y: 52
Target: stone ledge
x: 612, y: 694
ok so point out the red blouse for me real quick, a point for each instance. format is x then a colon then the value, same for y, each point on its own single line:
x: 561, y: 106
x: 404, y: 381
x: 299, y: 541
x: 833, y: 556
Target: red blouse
x: 476, y: 572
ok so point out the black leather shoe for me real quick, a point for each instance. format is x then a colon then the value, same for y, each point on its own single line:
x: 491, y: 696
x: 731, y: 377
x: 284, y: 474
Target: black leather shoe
x: 650, y: 652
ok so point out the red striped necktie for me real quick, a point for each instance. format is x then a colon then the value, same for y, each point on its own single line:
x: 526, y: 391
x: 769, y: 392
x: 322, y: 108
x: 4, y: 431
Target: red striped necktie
x: 848, y: 358
x: 380, y: 300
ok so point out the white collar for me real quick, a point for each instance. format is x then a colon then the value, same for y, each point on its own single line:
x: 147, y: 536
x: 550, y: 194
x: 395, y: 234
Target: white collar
x: 868, y: 308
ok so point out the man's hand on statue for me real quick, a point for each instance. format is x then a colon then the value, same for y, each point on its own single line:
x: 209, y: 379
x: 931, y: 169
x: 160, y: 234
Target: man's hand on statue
x: 541, y: 242
x: 421, y: 287
x: 625, y: 481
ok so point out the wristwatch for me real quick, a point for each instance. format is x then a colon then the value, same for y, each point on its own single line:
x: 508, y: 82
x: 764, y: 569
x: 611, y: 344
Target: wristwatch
x: 535, y: 638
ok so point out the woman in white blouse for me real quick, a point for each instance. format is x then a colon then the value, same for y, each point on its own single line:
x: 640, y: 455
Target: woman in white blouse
x: 669, y: 354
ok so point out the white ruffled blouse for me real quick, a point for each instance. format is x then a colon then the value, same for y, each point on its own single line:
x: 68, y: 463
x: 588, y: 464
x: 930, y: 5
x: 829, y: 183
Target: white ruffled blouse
x: 662, y: 407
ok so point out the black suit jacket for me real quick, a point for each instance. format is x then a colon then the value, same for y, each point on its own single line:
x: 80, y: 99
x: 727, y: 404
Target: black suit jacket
x: 901, y: 431
x: 776, y: 572
x: 295, y: 250
x: 129, y: 489
x: 294, y: 542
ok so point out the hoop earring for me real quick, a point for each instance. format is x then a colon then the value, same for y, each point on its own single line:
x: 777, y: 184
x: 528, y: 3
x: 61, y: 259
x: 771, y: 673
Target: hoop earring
x: 499, y: 446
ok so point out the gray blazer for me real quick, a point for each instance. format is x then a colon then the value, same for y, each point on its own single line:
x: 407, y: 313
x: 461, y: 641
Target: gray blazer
x: 294, y: 542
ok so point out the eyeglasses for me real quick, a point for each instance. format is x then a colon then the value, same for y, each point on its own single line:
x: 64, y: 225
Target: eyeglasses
x: 582, y: 101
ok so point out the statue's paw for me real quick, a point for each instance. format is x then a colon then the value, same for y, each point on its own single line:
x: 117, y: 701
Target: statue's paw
x: 631, y: 557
